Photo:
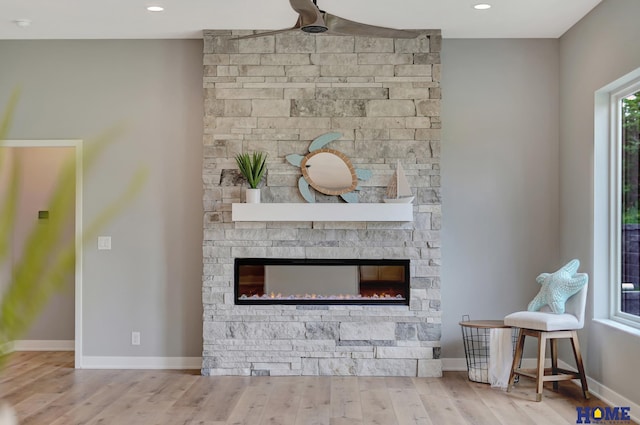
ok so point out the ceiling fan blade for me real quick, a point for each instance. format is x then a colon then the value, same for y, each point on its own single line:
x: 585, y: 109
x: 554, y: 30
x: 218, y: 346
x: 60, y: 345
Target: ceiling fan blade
x: 313, y: 20
x: 265, y: 33
x: 310, y: 17
x: 343, y: 26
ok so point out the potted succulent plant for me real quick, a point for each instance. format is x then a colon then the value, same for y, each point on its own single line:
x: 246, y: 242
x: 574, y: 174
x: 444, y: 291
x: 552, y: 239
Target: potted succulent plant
x: 253, y: 167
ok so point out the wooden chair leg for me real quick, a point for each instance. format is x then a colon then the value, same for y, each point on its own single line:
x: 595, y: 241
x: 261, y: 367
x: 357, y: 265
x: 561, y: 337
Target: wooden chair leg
x: 554, y: 361
x: 542, y: 344
x: 557, y: 373
x: 516, y: 359
x: 576, y: 352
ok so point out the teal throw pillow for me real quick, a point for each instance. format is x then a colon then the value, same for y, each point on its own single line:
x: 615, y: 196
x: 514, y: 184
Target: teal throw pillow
x: 558, y: 287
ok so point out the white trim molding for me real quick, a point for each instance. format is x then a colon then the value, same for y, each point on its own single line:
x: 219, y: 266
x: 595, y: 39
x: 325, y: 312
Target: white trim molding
x: 610, y: 397
x: 77, y: 145
x: 606, y: 394
x: 460, y: 364
x: 118, y: 362
x: 606, y: 185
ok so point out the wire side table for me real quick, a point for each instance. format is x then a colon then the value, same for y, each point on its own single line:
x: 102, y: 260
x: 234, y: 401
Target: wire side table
x: 476, y: 338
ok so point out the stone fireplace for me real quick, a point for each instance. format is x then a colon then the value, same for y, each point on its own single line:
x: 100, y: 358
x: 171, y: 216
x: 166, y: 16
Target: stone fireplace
x: 276, y: 94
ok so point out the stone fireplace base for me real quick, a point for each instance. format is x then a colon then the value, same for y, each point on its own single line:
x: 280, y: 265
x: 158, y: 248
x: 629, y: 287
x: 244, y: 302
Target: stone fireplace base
x: 323, y: 340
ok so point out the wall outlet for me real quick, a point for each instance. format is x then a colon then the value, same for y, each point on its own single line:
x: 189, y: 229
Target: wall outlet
x: 135, y: 338
x: 104, y: 242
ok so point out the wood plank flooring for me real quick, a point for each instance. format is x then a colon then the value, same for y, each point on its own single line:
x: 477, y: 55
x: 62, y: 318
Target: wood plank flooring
x: 44, y: 388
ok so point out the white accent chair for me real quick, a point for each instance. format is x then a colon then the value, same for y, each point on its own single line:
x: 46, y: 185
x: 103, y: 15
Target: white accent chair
x: 546, y: 325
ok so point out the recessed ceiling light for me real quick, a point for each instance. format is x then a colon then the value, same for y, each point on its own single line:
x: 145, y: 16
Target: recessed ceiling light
x: 482, y: 6
x: 155, y: 8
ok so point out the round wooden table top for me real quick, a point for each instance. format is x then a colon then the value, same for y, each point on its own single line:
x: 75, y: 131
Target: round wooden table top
x: 485, y: 324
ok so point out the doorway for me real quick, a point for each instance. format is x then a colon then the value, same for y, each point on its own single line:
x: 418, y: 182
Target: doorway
x: 59, y: 325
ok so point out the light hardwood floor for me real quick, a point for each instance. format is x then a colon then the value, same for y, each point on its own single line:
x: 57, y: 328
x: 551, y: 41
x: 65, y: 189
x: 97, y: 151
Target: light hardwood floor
x: 44, y: 388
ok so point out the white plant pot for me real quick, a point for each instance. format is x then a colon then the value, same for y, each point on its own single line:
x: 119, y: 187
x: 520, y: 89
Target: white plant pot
x: 253, y: 196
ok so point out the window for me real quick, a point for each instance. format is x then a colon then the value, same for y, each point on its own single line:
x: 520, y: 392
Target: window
x: 625, y: 108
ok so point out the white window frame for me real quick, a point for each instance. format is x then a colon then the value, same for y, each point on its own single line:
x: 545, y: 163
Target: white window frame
x: 615, y: 204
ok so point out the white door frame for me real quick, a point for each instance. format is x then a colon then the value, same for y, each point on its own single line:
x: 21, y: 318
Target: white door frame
x: 77, y: 145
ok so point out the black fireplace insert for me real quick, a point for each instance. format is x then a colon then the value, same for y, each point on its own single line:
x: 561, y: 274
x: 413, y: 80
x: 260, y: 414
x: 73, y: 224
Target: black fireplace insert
x: 321, y: 281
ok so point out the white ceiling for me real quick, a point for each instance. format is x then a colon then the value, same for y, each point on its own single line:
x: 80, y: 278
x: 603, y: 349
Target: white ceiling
x: 90, y: 19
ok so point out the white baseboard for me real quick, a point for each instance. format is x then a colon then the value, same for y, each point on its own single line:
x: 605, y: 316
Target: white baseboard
x: 43, y: 345
x: 460, y: 364
x: 115, y: 362
x: 606, y: 394
x: 108, y: 362
x: 454, y: 364
x: 611, y: 397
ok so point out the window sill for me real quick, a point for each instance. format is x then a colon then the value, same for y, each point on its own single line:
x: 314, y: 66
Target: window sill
x: 633, y: 331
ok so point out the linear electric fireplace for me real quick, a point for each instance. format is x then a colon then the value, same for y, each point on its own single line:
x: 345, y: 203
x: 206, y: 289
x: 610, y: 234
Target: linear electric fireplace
x: 321, y: 281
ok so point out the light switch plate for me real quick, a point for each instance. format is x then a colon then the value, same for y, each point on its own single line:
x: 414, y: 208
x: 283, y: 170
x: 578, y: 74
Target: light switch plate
x: 104, y: 242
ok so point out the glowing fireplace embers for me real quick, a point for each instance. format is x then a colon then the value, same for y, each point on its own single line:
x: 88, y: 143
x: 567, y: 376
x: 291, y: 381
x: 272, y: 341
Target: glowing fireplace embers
x: 321, y: 281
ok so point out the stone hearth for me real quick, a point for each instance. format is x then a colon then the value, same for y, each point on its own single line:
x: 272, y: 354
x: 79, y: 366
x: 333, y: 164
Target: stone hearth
x: 276, y: 94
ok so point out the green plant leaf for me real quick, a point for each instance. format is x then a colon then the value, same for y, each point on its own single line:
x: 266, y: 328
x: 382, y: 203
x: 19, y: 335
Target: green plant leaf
x: 252, y: 166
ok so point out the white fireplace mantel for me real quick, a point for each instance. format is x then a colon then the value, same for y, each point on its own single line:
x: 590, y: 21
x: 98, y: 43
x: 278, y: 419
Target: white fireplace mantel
x: 321, y: 212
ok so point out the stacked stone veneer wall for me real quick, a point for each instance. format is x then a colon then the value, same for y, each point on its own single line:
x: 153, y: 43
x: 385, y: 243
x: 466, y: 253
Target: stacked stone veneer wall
x: 276, y: 94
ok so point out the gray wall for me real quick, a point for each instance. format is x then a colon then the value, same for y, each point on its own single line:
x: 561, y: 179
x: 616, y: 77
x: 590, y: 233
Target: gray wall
x: 601, y: 48
x: 151, y: 280
x: 500, y: 207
